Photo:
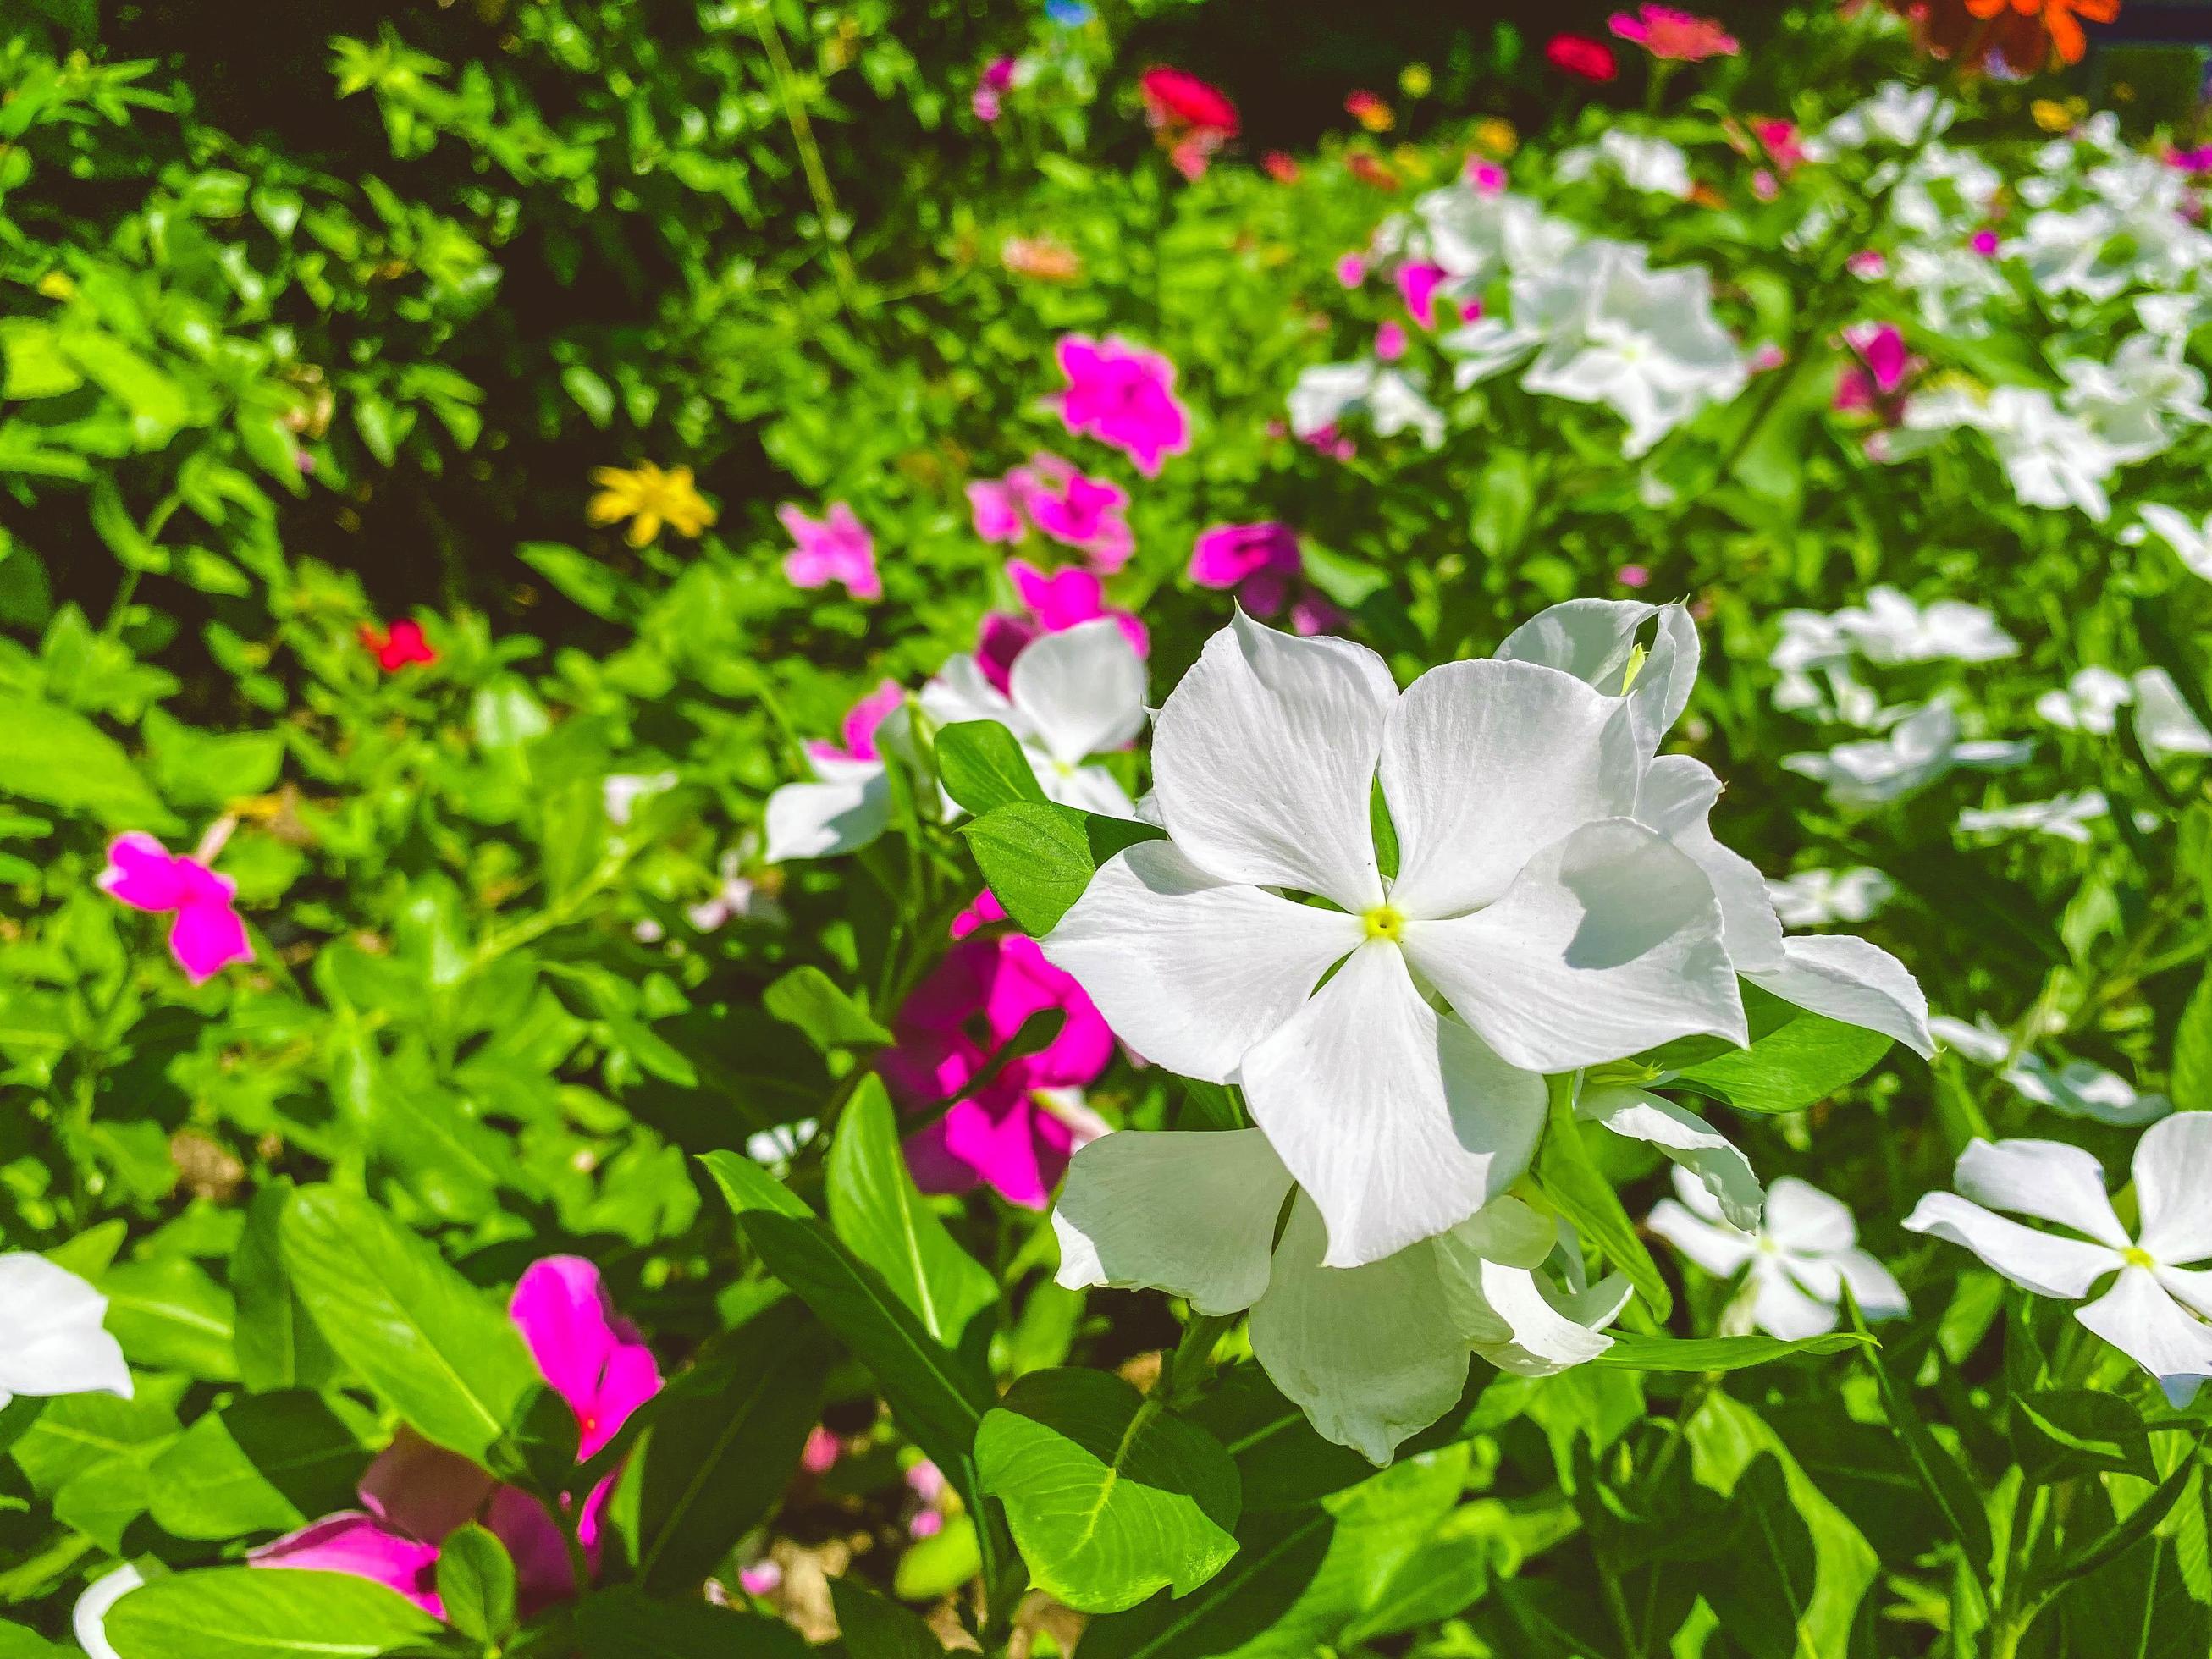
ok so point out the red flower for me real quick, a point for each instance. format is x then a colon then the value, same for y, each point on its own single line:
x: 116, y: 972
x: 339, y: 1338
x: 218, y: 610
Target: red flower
x: 402, y: 645
x: 1173, y: 98
x: 1580, y: 55
x: 1281, y: 167
x: 1681, y: 36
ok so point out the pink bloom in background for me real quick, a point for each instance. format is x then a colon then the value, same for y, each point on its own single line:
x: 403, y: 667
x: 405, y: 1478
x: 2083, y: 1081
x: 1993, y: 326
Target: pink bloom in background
x: 1390, y: 342
x: 835, y: 548
x: 822, y: 1450
x: 1633, y: 576
x: 1351, y: 269
x: 1875, y: 382
x: 997, y: 1133
x: 858, y: 731
x: 415, y: 1495
x: 1191, y: 117
x: 982, y: 910
x: 1779, y: 139
x: 1261, y: 562
x: 1868, y: 263
x: 1984, y: 242
x: 764, y: 1577
x: 1051, y: 495
x: 1124, y: 396
x: 1418, y: 283
x: 1331, y: 441
x: 991, y: 88
x: 207, y: 935
x: 1678, y: 36
x: 395, y: 650
x: 1769, y: 356
x: 1056, y: 603
x: 1281, y: 165
x: 1487, y: 177
x: 1581, y: 56
x: 2193, y: 161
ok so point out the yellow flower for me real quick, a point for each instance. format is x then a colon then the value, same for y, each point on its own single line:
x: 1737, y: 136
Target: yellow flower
x: 647, y: 497
x: 1415, y: 81
x: 2050, y: 115
x: 1497, y: 136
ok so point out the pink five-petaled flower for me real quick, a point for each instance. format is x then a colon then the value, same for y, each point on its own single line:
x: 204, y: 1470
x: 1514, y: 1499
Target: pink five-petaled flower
x: 415, y: 1495
x: 858, y: 731
x: 1262, y: 563
x: 1678, y: 36
x: 997, y: 1133
x: 835, y: 548
x: 1873, y: 384
x: 1056, y: 603
x: 991, y: 88
x: 393, y: 651
x: 207, y: 935
x: 1191, y: 117
x: 1060, y: 501
x: 1123, y: 395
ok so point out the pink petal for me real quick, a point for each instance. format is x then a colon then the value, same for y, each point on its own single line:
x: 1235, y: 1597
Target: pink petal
x: 1417, y: 285
x: 868, y: 714
x: 542, y: 1573
x: 562, y: 1309
x: 997, y: 517
x: 207, y: 937
x: 999, y: 642
x: 364, y: 1548
x: 141, y: 873
x: 421, y: 1489
x: 1002, y: 1149
x: 981, y: 912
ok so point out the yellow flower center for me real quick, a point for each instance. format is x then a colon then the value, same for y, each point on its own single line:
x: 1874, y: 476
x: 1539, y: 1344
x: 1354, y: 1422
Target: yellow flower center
x: 2136, y: 1256
x: 1384, y: 921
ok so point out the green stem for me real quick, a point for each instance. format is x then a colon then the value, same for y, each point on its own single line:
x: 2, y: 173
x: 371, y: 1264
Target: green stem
x: 810, y: 153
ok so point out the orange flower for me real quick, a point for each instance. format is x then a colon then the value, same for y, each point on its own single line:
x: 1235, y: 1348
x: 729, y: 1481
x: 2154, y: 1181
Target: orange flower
x: 2058, y: 17
x: 2025, y: 35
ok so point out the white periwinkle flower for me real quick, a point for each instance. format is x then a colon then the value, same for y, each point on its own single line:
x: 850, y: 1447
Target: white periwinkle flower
x: 2078, y: 1087
x: 1896, y: 115
x: 1818, y: 898
x: 2133, y: 403
x: 2191, y: 541
x: 56, y: 1342
x: 1802, y: 1254
x: 2053, y: 459
x: 1920, y: 749
x: 1327, y: 392
x: 1372, y: 1354
x: 2164, y: 723
x: 89, y: 1618
x: 2153, y: 1311
x: 1642, y: 162
x: 1069, y: 695
x: 1552, y: 929
x: 2091, y: 702
x: 2066, y: 816
x: 1891, y: 628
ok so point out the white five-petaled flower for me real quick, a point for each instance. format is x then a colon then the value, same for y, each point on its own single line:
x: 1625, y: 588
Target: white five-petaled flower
x: 1555, y: 930
x: 1372, y: 1354
x: 1920, y: 749
x: 1393, y: 403
x: 1817, y: 898
x: 1802, y: 1254
x: 2077, y: 1088
x: 2154, y: 1310
x: 55, y: 1342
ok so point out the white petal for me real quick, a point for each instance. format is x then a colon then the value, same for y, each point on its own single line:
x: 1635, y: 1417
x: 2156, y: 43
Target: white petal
x: 1188, y: 970
x: 1190, y: 1214
x: 960, y: 692
x: 1593, y: 639
x: 1397, y: 1120
x: 1717, y: 1248
x: 1608, y: 943
x: 1683, y: 1137
x: 1081, y: 690
x: 1550, y: 1332
x: 2042, y: 1263
x: 822, y: 820
x: 2138, y: 1317
x: 1676, y: 799
x: 1873, y: 1286
x: 1781, y: 1307
x: 55, y: 1342
x: 2191, y: 1287
x: 2173, y: 1187
x: 1087, y: 788
x: 1369, y: 1354
x: 2049, y: 1180
x: 1485, y: 765
x: 88, y: 1620
x: 1801, y: 1218
x: 1263, y: 760
x: 1849, y: 980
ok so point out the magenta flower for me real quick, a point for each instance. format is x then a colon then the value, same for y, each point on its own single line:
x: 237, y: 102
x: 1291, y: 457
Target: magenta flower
x: 1418, y: 283
x: 1390, y: 342
x: 1869, y: 264
x: 1054, y: 497
x: 1681, y: 37
x: 998, y: 1132
x: 415, y: 1495
x: 207, y: 935
x: 1875, y: 382
x: 1262, y: 563
x: 1984, y: 242
x: 858, y: 730
x: 833, y: 548
x: 1351, y: 269
x: 1487, y: 177
x: 1056, y: 603
x: 1123, y: 395
x: 991, y: 88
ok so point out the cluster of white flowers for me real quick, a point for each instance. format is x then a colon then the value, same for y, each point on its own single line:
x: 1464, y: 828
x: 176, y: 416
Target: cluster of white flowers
x: 2091, y: 702
x: 1817, y: 653
x: 1557, y: 906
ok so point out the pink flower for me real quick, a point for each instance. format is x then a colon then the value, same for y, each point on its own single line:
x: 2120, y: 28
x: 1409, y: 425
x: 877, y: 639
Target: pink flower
x: 1056, y: 603
x: 1351, y: 269
x: 991, y: 88
x: 1390, y: 342
x: 822, y: 1450
x: 996, y: 1133
x: 1779, y: 139
x: 1869, y: 264
x: 395, y: 650
x: 764, y: 1577
x: 1874, y: 383
x: 1418, y: 283
x: 1984, y: 242
x: 1487, y: 177
x: 1679, y: 36
x: 1329, y: 440
x: 415, y: 1495
x: 858, y: 731
x: 833, y: 548
x: 1579, y: 55
x: 1193, y: 118
x: 982, y: 910
x: 1050, y: 495
x: 1768, y: 356
x: 207, y: 935
x: 1281, y: 165
x: 1124, y: 396
x: 997, y: 510
x: 2192, y: 162
x: 1633, y: 576
x: 1262, y: 563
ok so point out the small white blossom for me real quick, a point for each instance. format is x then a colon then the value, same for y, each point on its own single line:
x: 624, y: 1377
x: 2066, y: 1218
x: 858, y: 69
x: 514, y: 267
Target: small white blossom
x: 1818, y: 898
x: 1919, y: 749
x: 1802, y: 1253
x: 2191, y: 543
x: 2091, y: 702
x: 1642, y: 163
x: 2067, y: 817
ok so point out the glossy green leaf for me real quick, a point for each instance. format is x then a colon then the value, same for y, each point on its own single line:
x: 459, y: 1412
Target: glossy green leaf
x: 240, y: 1613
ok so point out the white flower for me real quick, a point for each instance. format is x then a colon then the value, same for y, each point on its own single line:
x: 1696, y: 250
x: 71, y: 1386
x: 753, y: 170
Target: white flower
x: 1698, y: 1151
x: 2067, y: 817
x: 1817, y: 898
x: 1327, y: 392
x: 1944, y: 192
x: 1802, y: 1253
x: 2053, y: 458
x: 56, y: 1342
x: 1478, y: 237
x: 1372, y: 1354
x: 2091, y: 702
x: 739, y: 897
x: 621, y: 791
x: 1890, y: 628
x: 2164, y: 723
x: 1920, y: 749
x: 1643, y: 163
x: 2079, y: 1088
x: 2152, y: 1311
x: 1069, y: 695
x: 1814, y: 657
x: 1896, y: 114
x: 2191, y: 543
x: 1556, y: 930
x: 2130, y: 402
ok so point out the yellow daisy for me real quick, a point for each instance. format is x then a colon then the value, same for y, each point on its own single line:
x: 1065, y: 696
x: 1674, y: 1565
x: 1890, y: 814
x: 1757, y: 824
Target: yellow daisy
x: 649, y: 497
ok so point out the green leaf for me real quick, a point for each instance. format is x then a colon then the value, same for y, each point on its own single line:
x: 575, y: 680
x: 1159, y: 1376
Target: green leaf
x: 2059, y: 1433
x: 1573, y: 1183
x: 810, y: 999
x: 875, y: 1207
x: 1805, y: 1059
x: 1109, y: 1496
x: 983, y: 766
x: 244, y: 1612
x: 17, y: 1643
x: 1717, y: 1353
x: 1940, y: 1472
x: 876, y: 1628
x: 584, y: 580
x: 1038, y: 857
x: 724, y: 1443
x: 277, y: 1345
x: 622, y: 1623
x: 266, y: 1464
x: 415, y: 1330
x: 2138, y: 1525
x: 2190, y: 1082
x: 50, y: 755
x: 169, y: 1315
x: 475, y: 1583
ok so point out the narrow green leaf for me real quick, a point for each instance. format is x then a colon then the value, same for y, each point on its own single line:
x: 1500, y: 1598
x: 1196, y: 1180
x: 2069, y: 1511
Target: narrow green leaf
x: 1634, y: 1351
x: 1586, y: 1198
x: 875, y: 1628
x: 809, y: 1000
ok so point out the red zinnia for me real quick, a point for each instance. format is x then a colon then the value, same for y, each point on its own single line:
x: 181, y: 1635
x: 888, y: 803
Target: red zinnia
x: 1578, y: 54
x: 1173, y: 98
x: 402, y: 645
